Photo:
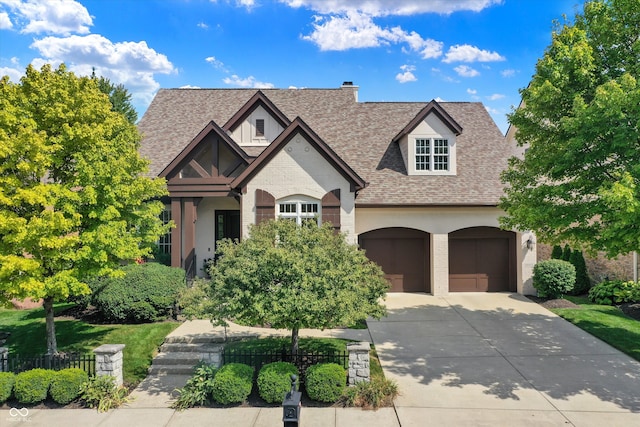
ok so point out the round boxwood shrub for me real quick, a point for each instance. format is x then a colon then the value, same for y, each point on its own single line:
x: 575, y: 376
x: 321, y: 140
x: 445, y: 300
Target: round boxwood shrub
x: 7, y: 379
x: 325, y: 382
x: 553, y: 278
x: 66, y: 385
x: 32, y: 386
x: 274, y: 381
x: 232, y: 383
x: 146, y: 293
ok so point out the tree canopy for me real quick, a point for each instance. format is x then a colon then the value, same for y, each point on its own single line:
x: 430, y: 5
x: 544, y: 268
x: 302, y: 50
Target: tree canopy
x: 74, y: 202
x: 579, y: 181
x: 119, y: 96
x: 293, y: 277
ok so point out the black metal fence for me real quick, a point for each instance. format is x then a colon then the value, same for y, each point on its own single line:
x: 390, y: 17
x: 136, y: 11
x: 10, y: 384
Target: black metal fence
x: 302, y: 360
x: 18, y: 363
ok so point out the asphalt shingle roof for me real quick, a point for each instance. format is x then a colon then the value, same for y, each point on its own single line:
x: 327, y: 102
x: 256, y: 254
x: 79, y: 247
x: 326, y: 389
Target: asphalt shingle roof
x: 360, y: 133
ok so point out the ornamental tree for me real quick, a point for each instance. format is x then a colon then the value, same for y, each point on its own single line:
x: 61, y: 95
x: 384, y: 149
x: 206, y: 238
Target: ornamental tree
x: 292, y: 277
x: 579, y: 181
x: 74, y: 201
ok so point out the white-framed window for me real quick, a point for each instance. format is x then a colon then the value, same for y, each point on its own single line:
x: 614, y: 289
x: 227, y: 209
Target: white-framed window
x: 299, y: 209
x: 432, y: 154
x: 164, y: 243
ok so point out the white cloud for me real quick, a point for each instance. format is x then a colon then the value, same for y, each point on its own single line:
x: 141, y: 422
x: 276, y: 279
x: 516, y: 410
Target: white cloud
x: 493, y: 111
x: 407, y: 75
x: 495, y: 97
x: 216, y: 63
x: 202, y: 25
x: 438, y: 99
x: 133, y: 64
x: 249, y: 4
x: 249, y: 82
x: 392, y: 7
x: 189, y: 87
x: 61, y: 17
x: 466, y: 71
x: 508, y: 73
x: 5, y: 22
x: 472, y: 91
x: 357, y: 30
x: 468, y: 53
x: 14, y: 74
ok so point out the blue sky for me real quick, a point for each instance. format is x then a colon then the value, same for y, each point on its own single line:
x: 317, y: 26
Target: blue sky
x: 394, y: 50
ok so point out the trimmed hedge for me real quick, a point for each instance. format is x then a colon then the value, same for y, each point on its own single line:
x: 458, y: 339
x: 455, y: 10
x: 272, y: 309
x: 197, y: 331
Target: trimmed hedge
x: 553, y: 278
x: 325, y: 382
x: 146, y: 293
x: 32, y: 386
x: 232, y: 383
x: 274, y: 381
x: 7, y: 380
x: 66, y: 385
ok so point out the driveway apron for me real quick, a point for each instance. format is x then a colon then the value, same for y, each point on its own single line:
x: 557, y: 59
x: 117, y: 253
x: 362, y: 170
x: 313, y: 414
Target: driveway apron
x: 500, y: 359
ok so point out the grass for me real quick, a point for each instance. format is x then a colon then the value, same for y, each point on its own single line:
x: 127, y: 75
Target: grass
x: 27, y: 329
x: 605, y: 322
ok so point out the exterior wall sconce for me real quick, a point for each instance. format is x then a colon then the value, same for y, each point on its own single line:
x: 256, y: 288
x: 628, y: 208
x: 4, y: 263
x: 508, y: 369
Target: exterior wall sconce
x: 531, y: 241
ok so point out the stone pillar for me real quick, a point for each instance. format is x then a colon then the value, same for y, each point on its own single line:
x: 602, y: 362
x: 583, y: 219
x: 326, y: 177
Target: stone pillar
x: 358, y: 362
x: 439, y: 264
x: 4, y: 359
x: 109, y: 361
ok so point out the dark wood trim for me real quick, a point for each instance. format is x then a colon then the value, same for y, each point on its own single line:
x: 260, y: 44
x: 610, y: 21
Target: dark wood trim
x: 420, y: 205
x: 331, y: 208
x: 299, y: 126
x: 196, y: 166
x: 265, y: 206
x: 438, y: 110
x: 258, y: 99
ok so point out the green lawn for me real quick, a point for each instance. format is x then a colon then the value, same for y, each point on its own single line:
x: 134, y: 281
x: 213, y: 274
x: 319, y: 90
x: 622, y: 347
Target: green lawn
x: 605, y: 322
x: 27, y: 329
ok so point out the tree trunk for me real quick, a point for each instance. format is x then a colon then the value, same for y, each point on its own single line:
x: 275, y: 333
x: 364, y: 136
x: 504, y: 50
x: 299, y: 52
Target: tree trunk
x: 294, y: 341
x: 52, y: 344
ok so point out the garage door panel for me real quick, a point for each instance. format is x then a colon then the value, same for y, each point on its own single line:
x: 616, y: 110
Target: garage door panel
x: 403, y: 254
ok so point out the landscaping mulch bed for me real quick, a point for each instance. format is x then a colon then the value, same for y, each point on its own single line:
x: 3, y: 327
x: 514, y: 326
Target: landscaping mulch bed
x: 631, y: 310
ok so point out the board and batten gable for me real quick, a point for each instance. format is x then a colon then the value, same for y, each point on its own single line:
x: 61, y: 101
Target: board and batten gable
x: 298, y: 169
x: 245, y: 134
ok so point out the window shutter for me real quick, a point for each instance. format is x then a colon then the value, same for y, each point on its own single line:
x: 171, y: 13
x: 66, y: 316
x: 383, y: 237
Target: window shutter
x: 265, y: 206
x: 259, y: 127
x: 331, y: 208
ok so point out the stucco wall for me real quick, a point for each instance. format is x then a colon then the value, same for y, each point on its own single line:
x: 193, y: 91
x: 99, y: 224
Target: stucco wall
x: 298, y: 169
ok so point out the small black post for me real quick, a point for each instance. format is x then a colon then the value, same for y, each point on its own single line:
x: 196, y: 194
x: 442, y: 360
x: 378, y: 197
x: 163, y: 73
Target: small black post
x: 291, y: 406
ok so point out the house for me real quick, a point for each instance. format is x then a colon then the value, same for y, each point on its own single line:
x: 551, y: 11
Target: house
x: 415, y: 184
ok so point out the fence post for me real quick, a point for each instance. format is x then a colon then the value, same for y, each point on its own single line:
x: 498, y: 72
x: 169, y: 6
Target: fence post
x: 358, y: 362
x: 4, y: 359
x: 109, y: 361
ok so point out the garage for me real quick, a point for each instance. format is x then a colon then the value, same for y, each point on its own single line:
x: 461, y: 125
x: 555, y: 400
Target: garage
x: 403, y: 254
x: 482, y: 259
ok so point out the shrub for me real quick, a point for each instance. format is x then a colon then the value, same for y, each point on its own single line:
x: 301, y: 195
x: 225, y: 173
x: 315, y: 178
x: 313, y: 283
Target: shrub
x: 274, y: 381
x: 556, y: 252
x: 102, y: 393
x: 7, y: 379
x: 232, y: 383
x: 198, y: 389
x: 583, y: 283
x: 553, y: 278
x: 566, y: 253
x: 371, y: 394
x: 66, y: 385
x: 325, y: 382
x: 615, y: 292
x: 146, y: 293
x: 32, y: 386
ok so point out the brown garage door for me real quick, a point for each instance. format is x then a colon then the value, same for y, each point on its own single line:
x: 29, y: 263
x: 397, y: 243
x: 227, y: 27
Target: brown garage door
x: 403, y: 254
x: 481, y: 259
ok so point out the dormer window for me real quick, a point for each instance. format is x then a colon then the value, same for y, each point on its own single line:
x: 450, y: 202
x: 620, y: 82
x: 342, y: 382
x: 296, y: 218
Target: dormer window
x: 432, y: 154
x: 259, y: 127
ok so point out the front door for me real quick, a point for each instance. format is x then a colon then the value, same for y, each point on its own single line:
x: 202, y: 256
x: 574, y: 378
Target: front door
x: 227, y: 225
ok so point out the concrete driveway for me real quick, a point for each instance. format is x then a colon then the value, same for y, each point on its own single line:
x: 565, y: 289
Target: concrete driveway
x: 500, y: 359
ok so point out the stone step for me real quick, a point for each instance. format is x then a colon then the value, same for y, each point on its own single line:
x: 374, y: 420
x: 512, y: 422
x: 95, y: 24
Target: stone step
x: 208, y: 339
x: 190, y: 347
x: 171, y: 370
x: 177, y: 358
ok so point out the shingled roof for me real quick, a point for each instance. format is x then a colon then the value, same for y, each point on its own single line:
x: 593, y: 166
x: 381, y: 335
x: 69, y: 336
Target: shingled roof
x: 362, y: 134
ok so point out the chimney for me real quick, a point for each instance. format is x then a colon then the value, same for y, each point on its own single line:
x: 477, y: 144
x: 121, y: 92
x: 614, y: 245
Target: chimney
x: 351, y: 86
